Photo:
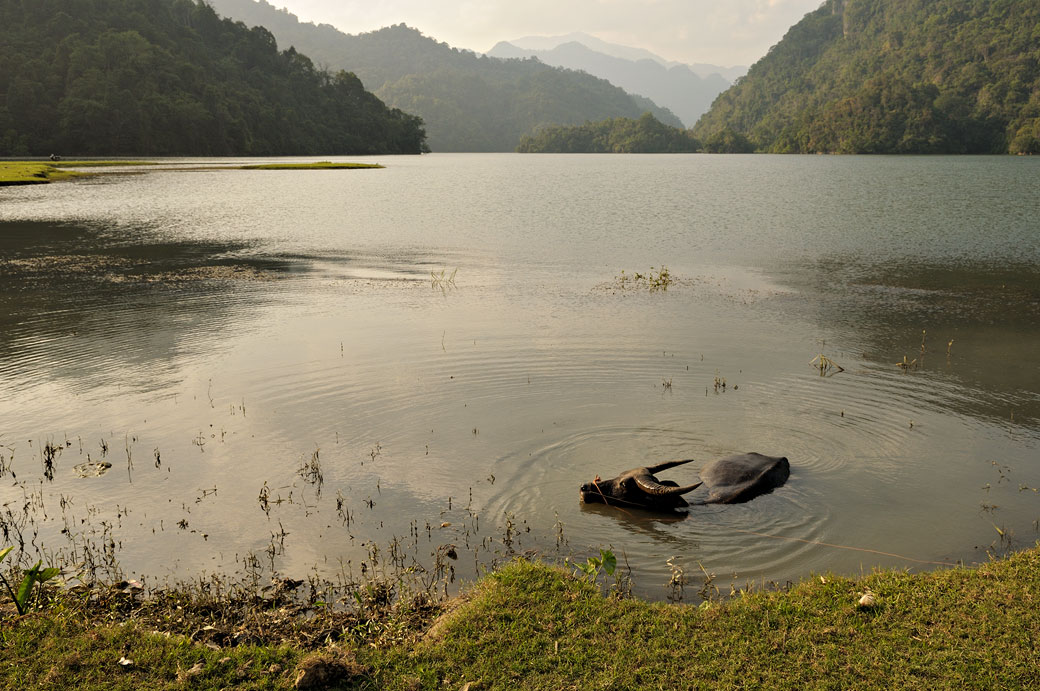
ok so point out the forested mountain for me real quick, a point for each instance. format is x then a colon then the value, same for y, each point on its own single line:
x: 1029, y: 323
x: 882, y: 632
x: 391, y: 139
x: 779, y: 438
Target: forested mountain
x: 469, y: 102
x: 613, y: 136
x: 677, y: 88
x: 156, y: 77
x: 894, y: 76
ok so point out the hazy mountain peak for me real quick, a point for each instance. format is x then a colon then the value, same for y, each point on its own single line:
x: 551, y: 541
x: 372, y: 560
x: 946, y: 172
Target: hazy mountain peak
x: 589, y: 41
x: 685, y: 91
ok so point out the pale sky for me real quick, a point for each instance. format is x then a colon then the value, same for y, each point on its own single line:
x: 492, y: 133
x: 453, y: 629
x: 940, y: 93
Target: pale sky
x: 721, y: 32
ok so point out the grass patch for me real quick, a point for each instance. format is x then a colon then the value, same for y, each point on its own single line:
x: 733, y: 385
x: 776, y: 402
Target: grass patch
x: 320, y: 165
x: 26, y: 173
x: 533, y: 626
x: 62, y: 650
x: 36, y: 173
x: 529, y: 626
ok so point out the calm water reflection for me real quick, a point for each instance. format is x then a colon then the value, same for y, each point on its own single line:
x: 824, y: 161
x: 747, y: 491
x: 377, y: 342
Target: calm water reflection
x: 211, y: 332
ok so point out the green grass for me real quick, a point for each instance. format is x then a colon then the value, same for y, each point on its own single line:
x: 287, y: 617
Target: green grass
x: 532, y: 626
x: 60, y: 650
x: 33, y: 173
x: 320, y: 165
x: 26, y: 173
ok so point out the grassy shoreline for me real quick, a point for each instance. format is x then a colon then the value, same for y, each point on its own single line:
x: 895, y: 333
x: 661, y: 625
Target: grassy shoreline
x: 29, y: 173
x: 533, y: 626
x: 42, y: 172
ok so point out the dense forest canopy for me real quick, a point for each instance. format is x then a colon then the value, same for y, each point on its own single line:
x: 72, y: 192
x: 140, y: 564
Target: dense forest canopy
x: 170, y: 77
x: 612, y: 136
x: 469, y: 102
x: 894, y: 76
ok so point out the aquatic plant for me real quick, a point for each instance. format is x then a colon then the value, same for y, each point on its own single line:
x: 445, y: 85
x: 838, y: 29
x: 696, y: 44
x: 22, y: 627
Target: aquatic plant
x: 827, y: 366
x: 650, y: 281
x: 23, y: 597
x: 676, y: 581
x: 907, y: 365
x: 443, y: 281
x: 590, y: 570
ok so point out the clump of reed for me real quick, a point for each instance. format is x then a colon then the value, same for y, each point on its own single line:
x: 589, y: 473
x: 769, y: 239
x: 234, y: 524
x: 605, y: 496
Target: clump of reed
x: 654, y: 280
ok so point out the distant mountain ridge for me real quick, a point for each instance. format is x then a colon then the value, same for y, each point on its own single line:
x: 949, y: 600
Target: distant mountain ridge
x: 894, y: 76
x: 469, y: 102
x: 545, y: 43
x: 677, y: 87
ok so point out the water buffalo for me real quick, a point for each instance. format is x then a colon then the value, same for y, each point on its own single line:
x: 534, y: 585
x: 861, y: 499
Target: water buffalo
x: 728, y: 480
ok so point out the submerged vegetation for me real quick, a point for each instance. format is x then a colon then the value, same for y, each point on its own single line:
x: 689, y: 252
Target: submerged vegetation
x: 533, y: 626
x: 96, y: 163
x: 320, y: 165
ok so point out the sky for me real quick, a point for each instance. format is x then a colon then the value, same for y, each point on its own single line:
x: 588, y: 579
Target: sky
x: 719, y: 32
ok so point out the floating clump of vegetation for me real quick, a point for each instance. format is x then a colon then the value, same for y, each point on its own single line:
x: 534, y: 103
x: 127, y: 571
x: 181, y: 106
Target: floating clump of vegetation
x: 653, y: 280
x: 319, y: 165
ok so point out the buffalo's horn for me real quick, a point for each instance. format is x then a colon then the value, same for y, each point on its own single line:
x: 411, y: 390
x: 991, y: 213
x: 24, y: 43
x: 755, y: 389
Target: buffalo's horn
x: 649, y: 484
x: 668, y: 464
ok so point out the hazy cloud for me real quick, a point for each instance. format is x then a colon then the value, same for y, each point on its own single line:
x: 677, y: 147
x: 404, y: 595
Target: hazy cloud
x: 725, y: 32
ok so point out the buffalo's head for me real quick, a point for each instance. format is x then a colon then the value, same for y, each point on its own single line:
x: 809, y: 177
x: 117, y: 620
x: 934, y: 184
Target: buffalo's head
x: 638, y: 488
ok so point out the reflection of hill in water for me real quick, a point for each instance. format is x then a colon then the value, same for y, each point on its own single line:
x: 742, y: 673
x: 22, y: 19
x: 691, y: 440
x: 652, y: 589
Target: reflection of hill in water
x: 990, y: 312
x: 75, y: 300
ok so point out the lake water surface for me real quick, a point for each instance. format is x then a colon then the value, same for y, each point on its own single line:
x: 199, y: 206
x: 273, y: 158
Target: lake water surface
x: 266, y: 362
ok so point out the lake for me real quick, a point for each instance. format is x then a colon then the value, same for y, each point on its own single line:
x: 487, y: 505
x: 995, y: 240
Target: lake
x: 336, y: 372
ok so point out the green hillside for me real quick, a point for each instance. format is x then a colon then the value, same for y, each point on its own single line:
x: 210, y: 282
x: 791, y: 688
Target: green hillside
x: 894, y: 76
x: 170, y: 77
x: 469, y: 102
x: 614, y: 136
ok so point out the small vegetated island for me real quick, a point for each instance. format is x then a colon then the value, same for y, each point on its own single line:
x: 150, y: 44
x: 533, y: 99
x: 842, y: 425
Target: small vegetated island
x: 38, y: 172
x: 893, y: 77
x: 171, y: 77
x: 647, y: 135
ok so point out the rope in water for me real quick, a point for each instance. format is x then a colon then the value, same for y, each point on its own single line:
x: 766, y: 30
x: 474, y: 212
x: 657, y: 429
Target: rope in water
x: 849, y: 547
